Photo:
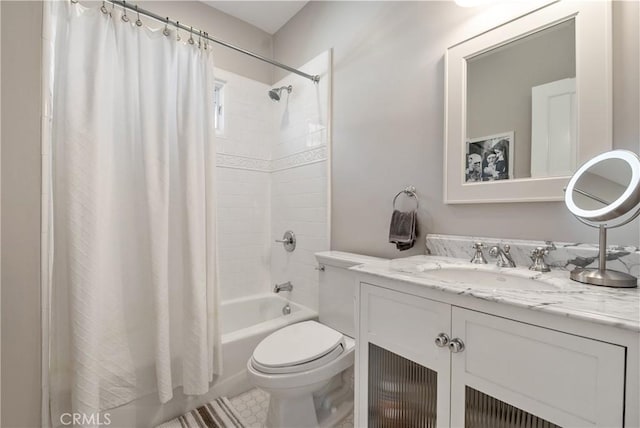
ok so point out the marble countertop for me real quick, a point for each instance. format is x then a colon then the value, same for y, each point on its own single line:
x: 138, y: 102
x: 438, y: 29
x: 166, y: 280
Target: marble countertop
x: 557, y: 293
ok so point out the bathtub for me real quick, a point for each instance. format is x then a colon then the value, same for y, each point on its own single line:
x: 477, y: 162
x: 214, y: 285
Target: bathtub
x: 244, y: 323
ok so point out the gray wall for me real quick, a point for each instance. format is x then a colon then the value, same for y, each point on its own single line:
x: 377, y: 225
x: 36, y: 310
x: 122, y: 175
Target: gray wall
x: 388, y: 115
x: 21, y: 179
x: 21, y: 213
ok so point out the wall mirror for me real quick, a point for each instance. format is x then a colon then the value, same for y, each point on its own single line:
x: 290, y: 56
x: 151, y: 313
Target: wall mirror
x: 526, y: 103
x: 605, y: 193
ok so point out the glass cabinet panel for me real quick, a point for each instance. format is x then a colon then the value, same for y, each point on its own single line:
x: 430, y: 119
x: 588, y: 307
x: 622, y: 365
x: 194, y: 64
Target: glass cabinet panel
x: 484, y: 411
x: 402, y: 393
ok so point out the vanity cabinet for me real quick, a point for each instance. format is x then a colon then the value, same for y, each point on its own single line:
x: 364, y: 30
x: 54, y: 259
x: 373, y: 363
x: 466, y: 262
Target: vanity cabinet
x: 501, y: 372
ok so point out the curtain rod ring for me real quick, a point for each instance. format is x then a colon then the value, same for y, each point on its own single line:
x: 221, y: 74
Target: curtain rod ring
x: 166, y: 31
x: 191, y: 41
x: 200, y: 40
x: 103, y: 8
x: 138, y: 22
x: 125, y: 18
x: 178, y: 38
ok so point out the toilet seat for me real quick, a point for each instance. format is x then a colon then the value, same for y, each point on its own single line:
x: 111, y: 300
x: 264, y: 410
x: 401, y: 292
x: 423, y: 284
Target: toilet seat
x: 297, y: 348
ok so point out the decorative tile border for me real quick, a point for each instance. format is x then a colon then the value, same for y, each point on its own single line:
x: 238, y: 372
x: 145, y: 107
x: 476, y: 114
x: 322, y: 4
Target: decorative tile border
x: 242, y: 162
x: 562, y: 255
x: 298, y: 159
x: 306, y: 157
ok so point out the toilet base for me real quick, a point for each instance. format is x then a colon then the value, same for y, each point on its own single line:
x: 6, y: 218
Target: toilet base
x: 292, y: 412
x: 336, y: 402
x: 322, y: 404
x: 340, y: 413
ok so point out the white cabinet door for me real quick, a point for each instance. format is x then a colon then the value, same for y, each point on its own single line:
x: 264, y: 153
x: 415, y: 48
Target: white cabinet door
x: 407, y: 326
x: 567, y: 380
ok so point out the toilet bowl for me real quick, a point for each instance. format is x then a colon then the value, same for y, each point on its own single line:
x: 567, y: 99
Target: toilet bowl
x: 296, y: 365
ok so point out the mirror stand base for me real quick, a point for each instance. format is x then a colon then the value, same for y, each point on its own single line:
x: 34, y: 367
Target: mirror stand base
x: 606, y: 277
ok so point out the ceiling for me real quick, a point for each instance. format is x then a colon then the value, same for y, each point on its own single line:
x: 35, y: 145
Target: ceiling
x: 269, y: 16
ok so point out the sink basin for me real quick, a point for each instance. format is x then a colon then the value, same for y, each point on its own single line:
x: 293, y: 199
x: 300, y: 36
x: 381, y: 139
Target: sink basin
x: 489, y: 280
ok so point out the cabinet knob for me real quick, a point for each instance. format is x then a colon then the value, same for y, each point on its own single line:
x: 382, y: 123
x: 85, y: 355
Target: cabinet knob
x: 442, y: 340
x: 456, y: 345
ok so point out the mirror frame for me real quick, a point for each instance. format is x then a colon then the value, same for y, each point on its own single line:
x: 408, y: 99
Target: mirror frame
x: 593, y: 100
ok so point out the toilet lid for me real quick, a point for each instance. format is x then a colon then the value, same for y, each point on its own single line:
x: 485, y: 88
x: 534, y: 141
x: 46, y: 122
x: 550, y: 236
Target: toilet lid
x: 297, y: 344
x: 310, y: 365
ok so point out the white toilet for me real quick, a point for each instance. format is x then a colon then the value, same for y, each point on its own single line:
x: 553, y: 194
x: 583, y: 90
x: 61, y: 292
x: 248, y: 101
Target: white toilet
x: 304, y: 366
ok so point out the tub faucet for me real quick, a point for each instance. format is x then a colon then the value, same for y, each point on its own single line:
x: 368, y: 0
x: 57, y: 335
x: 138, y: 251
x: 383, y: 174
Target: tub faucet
x: 503, y: 258
x: 287, y: 286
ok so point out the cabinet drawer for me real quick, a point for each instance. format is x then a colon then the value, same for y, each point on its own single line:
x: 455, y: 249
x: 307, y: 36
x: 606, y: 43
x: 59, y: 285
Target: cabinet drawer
x: 566, y: 379
x: 406, y: 324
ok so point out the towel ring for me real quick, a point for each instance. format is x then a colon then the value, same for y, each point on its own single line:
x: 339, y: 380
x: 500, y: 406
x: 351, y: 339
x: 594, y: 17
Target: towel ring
x: 410, y: 191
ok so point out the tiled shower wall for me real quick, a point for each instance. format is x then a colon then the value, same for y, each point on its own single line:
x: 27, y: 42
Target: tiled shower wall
x: 272, y: 177
x: 243, y: 232
x: 299, y: 192
x: 298, y: 199
x: 244, y: 188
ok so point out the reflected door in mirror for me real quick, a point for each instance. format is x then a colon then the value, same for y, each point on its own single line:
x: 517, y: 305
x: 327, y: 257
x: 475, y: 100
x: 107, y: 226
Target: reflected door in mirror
x: 553, y: 129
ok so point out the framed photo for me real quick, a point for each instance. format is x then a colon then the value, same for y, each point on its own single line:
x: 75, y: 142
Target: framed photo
x: 489, y: 158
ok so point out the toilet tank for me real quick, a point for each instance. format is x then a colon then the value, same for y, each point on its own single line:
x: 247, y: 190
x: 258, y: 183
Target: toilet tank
x: 337, y: 289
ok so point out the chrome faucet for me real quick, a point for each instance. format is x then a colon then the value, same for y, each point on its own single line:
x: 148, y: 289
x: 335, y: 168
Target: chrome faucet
x: 478, y: 257
x: 287, y: 286
x: 503, y: 258
x: 537, y: 256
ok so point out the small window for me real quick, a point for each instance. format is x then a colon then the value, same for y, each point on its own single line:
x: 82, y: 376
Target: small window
x: 218, y: 104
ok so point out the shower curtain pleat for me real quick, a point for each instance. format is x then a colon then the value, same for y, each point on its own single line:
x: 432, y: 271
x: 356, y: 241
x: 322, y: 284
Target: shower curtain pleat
x: 134, y: 288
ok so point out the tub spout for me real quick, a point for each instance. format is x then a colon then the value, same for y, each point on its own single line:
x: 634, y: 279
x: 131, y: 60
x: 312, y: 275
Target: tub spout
x: 287, y: 286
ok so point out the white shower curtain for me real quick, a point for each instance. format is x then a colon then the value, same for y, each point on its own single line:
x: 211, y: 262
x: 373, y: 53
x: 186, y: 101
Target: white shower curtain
x: 133, y: 289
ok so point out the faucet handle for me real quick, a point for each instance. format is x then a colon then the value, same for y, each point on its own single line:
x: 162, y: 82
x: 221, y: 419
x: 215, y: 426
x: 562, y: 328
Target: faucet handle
x: 539, y: 252
x: 539, y: 264
x: 478, y: 257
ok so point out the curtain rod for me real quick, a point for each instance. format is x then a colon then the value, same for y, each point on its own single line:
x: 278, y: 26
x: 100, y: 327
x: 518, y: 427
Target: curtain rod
x: 204, y: 35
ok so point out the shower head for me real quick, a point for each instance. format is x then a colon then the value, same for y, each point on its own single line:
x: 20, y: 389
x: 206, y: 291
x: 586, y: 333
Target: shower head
x: 274, y: 94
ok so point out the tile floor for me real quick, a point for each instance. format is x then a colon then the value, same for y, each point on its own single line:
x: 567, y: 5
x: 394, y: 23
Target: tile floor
x: 253, y: 405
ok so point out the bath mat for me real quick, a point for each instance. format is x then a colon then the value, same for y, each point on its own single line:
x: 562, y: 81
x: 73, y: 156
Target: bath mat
x: 216, y: 414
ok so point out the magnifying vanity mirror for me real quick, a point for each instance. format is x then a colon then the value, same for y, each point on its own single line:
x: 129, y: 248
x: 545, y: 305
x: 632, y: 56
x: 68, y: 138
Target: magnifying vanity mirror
x: 605, y: 193
x: 526, y: 102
